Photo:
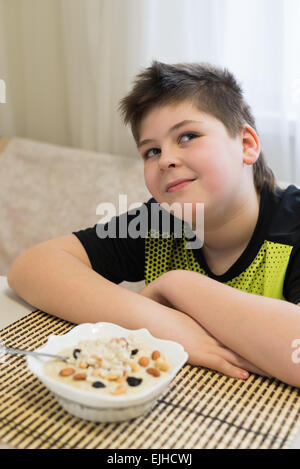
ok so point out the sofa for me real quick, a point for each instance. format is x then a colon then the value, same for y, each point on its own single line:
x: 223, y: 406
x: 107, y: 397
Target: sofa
x: 48, y: 191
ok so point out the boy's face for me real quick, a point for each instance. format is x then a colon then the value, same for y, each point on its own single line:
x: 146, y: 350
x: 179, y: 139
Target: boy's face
x: 200, y: 152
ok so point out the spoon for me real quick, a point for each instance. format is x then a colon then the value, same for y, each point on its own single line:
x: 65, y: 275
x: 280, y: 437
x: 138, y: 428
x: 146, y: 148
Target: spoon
x: 29, y: 352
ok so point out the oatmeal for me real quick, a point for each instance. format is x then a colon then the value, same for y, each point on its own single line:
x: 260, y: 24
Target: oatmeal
x: 114, y: 366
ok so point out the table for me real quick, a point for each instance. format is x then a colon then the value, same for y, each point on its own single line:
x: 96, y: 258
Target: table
x: 12, y: 308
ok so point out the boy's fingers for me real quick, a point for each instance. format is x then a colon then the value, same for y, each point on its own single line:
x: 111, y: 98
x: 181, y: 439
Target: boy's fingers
x: 252, y: 368
x: 241, y: 362
x: 220, y: 364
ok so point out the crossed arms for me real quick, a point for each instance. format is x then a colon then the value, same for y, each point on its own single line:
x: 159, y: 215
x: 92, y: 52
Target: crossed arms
x: 220, y: 327
x: 253, y: 328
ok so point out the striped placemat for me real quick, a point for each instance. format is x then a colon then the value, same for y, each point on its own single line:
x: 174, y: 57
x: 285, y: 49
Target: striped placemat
x: 200, y: 409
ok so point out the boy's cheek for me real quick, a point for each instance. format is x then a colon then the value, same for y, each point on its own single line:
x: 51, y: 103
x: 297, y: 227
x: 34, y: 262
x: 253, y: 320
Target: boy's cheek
x: 148, y: 181
x: 153, y: 184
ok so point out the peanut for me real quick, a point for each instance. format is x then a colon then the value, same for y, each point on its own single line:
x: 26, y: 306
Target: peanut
x: 153, y: 371
x: 119, y: 390
x: 83, y: 364
x: 112, y: 377
x: 134, y: 366
x: 98, y: 359
x: 79, y: 376
x: 122, y: 341
x: 144, y: 361
x: 67, y: 371
x: 161, y: 364
x: 155, y: 355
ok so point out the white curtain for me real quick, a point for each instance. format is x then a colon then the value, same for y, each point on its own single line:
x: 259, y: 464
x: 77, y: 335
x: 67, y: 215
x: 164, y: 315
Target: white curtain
x: 67, y: 63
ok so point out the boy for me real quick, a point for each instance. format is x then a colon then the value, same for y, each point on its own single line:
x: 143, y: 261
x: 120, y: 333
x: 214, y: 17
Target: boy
x: 229, y: 303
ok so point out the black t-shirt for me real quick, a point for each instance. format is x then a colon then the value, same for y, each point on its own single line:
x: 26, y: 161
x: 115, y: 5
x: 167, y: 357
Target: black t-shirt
x: 269, y: 266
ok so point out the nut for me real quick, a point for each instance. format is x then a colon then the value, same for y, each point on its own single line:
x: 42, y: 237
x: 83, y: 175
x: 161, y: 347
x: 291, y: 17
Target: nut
x: 98, y: 359
x: 97, y: 372
x: 161, y: 364
x: 144, y: 361
x: 112, y: 377
x: 67, y: 371
x: 79, y: 376
x: 119, y: 390
x: 83, y: 365
x: 155, y: 355
x: 120, y: 340
x: 134, y: 366
x: 153, y: 371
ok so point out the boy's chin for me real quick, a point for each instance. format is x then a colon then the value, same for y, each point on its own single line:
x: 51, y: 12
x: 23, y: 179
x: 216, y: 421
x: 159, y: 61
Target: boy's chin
x: 189, y: 211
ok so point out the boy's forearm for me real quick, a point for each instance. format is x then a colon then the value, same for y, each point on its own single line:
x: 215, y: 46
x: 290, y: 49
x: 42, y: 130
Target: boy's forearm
x: 258, y: 328
x: 58, y: 283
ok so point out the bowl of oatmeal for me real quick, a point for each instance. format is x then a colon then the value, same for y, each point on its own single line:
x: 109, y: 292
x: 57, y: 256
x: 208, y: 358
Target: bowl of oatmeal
x: 109, y: 373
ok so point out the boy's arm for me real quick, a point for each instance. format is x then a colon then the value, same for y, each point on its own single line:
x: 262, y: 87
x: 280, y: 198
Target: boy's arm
x: 260, y: 329
x: 56, y: 276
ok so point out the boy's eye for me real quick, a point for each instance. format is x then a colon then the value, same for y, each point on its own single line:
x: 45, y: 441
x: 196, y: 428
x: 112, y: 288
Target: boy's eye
x: 148, y: 152
x: 190, y: 134
x: 155, y: 151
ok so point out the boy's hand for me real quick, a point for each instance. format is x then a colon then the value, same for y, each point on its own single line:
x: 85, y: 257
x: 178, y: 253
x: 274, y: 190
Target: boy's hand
x: 204, y: 349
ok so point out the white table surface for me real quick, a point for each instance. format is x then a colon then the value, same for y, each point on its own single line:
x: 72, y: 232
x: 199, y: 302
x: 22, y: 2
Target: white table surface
x: 13, y: 308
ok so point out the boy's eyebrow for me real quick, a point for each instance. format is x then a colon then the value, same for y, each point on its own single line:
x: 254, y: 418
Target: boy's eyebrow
x: 174, y: 127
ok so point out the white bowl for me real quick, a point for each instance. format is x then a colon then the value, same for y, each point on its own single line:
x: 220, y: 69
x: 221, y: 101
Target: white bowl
x: 104, y: 408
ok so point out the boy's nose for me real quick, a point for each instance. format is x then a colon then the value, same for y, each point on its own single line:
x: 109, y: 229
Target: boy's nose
x: 168, y: 159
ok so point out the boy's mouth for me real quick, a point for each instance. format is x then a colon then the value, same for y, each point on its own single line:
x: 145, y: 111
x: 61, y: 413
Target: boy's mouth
x: 178, y: 184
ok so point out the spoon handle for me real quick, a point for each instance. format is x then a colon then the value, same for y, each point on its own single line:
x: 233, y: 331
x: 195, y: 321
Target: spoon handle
x: 29, y: 352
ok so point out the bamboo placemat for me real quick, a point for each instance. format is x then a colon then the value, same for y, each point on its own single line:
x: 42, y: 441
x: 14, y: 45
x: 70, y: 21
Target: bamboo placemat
x: 200, y: 409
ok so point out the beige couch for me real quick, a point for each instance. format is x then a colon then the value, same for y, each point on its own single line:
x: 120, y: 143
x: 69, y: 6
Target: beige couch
x: 48, y: 191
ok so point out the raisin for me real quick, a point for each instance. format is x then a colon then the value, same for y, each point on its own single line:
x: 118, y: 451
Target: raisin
x: 98, y: 384
x: 132, y: 381
x: 134, y: 351
x: 76, y: 352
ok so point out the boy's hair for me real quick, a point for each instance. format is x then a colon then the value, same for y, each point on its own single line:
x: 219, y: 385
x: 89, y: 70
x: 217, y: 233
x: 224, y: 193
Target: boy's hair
x: 211, y: 89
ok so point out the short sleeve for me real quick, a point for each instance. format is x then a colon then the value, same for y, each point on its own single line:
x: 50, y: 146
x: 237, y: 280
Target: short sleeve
x: 291, y: 287
x: 112, y: 250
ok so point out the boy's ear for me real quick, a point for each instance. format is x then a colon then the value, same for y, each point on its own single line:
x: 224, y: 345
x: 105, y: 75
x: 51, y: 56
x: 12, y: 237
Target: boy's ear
x: 251, y: 145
